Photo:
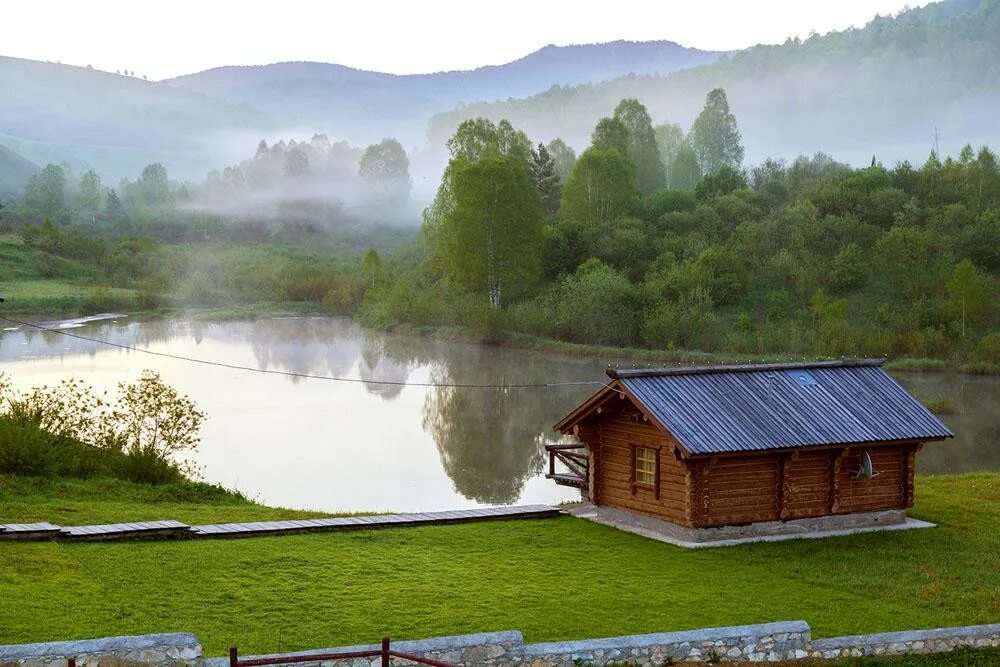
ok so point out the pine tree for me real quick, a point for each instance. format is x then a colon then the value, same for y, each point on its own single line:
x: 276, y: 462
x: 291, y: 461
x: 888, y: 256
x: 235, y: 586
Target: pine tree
x: 545, y: 179
x: 714, y: 136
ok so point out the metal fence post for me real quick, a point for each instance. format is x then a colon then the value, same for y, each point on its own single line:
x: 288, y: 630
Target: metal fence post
x: 385, y: 652
x: 233, y: 659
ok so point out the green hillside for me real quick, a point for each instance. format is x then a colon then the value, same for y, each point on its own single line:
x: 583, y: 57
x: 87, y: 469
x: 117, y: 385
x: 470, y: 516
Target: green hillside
x: 117, y: 123
x: 879, y: 89
x: 14, y: 170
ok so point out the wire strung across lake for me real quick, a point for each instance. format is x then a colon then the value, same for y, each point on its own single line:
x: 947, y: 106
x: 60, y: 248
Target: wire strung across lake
x: 309, y: 376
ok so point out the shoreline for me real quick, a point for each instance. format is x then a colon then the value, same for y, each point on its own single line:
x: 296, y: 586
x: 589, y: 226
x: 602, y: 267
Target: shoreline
x: 510, y: 339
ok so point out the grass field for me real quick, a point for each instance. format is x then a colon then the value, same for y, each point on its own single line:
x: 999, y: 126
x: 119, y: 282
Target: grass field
x: 552, y: 579
x: 75, y: 502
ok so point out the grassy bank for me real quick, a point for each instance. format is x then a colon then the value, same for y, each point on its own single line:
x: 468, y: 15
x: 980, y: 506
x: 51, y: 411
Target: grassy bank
x: 73, y: 502
x: 553, y: 579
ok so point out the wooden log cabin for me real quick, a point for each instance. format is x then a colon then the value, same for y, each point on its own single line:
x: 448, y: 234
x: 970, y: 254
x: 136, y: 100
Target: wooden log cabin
x: 734, y: 445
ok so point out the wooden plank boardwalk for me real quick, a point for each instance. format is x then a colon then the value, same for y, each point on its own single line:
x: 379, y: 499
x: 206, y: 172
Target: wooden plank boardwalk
x: 258, y: 528
x: 115, y: 531
x: 28, y: 531
x: 171, y: 528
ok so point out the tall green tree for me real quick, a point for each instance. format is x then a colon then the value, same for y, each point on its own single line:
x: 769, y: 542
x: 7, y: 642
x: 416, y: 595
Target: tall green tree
x: 478, y: 137
x: 545, y: 179
x: 601, y: 188
x: 715, y: 136
x: 669, y: 139
x: 564, y: 157
x: 45, y: 193
x: 473, y: 140
x: 154, y: 186
x: 685, y: 172
x: 384, y: 166
x: 610, y: 133
x: 491, y: 238
x: 965, y: 295
x: 90, y: 198
x: 641, y: 145
x: 385, y: 162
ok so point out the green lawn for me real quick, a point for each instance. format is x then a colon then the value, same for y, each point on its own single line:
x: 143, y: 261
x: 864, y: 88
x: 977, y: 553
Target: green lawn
x: 553, y: 579
x: 74, y: 502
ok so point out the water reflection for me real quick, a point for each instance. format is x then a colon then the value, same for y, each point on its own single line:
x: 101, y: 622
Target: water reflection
x: 349, y: 446
x: 491, y: 441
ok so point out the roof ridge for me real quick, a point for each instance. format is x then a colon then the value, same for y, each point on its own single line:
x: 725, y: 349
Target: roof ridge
x: 617, y: 374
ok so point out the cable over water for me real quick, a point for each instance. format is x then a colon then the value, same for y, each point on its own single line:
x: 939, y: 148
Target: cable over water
x: 309, y: 376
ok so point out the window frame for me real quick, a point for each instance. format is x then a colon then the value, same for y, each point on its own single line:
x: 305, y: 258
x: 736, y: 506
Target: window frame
x: 636, y: 484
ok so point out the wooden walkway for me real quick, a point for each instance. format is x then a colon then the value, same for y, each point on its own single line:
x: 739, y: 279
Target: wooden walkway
x: 171, y: 528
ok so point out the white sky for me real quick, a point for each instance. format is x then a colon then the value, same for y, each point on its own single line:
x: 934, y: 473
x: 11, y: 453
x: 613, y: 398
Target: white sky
x: 165, y: 39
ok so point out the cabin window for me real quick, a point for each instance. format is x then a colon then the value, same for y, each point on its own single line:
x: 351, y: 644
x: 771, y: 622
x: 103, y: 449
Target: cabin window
x: 645, y: 466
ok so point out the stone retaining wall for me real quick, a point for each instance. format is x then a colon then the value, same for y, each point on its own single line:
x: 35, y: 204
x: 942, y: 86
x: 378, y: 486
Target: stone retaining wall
x: 175, y: 649
x: 484, y: 648
x: 768, y: 642
x: 759, y: 643
x: 911, y: 641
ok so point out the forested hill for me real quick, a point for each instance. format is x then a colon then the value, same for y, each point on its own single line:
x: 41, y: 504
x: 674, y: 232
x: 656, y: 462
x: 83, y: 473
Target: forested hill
x: 15, y: 170
x: 881, y: 89
x: 366, y: 106
x: 114, y: 122
x: 117, y: 123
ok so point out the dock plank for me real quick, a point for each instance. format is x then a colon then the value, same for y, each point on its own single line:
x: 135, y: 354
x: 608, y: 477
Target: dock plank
x: 173, y: 528
x: 331, y: 524
x: 111, y: 531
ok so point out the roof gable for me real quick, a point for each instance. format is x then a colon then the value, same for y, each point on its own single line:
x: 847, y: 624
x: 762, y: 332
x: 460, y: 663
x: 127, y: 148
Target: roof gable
x: 719, y: 409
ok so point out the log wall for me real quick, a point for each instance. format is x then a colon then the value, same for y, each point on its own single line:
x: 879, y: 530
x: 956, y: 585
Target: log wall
x: 743, y: 488
x: 618, y: 433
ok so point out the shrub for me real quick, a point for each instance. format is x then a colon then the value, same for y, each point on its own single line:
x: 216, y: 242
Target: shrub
x: 69, y: 431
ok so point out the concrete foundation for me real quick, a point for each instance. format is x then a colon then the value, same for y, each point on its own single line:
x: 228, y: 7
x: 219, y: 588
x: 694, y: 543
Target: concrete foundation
x: 767, y: 531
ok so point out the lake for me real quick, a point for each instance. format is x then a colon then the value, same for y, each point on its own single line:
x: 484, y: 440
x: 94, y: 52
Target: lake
x: 349, y: 446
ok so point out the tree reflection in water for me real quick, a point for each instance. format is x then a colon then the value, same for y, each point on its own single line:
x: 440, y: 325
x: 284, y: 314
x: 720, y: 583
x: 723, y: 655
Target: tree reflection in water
x: 491, y: 441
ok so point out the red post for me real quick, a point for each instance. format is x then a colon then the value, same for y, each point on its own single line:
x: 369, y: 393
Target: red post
x: 234, y: 661
x: 385, y: 652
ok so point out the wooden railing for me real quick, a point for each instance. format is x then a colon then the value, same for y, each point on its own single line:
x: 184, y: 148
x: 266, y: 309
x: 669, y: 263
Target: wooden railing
x: 385, y: 652
x: 574, y: 458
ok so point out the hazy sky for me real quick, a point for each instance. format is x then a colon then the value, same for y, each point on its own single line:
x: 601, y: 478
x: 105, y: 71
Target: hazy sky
x: 405, y: 36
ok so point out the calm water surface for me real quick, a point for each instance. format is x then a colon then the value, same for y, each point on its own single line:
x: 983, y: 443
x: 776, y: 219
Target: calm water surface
x: 338, y: 446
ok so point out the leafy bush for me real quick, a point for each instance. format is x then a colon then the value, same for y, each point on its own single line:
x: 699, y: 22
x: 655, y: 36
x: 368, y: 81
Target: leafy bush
x: 69, y: 431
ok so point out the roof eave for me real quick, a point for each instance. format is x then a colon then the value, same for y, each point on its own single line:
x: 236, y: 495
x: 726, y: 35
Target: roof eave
x: 823, y: 445
x: 582, y: 411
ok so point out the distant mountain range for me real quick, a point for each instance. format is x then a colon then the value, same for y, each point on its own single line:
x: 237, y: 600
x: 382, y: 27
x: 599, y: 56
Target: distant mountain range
x: 881, y: 89
x: 367, y: 106
x: 194, y: 123
x: 886, y: 89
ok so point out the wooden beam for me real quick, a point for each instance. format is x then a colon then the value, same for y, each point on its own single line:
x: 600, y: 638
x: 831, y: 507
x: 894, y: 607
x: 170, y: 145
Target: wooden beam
x: 783, y: 487
x: 835, y: 464
x: 909, y: 465
x: 691, y: 491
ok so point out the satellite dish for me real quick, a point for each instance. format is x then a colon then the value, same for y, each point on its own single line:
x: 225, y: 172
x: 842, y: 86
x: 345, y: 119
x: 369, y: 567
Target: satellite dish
x: 865, y: 471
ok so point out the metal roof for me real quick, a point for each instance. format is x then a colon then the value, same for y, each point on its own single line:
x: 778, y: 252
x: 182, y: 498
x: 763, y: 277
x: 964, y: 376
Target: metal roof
x: 712, y: 410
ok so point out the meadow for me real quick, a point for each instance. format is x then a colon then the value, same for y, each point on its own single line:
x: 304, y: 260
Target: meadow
x: 552, y: 579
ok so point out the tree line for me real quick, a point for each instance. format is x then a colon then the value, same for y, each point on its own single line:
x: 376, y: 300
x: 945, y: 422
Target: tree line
x: 658, y: 238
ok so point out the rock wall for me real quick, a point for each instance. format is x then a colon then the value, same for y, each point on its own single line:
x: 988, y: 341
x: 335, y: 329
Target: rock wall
x: 176, y: 649
x: 768, y: 642
x: 939, y: 640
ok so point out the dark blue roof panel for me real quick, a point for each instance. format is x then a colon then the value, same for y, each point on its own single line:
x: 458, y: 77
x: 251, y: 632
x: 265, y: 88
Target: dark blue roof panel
x: 750, y: 408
